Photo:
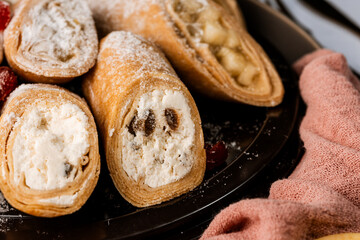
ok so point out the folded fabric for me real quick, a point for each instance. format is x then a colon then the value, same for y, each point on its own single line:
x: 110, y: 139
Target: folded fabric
x: 322, y: 195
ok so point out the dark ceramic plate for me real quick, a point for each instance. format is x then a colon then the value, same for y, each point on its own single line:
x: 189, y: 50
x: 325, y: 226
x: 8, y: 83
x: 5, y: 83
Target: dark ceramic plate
x: 255, y: 138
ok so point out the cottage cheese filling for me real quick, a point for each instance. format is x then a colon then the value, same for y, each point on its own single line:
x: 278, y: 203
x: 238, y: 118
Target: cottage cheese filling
x: 56, y: 33
x: 158, y: 138
x: 49, y: 145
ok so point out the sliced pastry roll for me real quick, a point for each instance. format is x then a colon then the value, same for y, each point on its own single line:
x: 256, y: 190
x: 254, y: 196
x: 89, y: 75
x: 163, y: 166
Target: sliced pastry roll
x: 205, y: 41
x: 49, y: 153
x: 51, y: 41
x: 149, y: 122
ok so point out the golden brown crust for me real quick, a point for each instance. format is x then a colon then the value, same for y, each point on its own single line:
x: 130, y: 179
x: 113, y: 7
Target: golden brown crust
x: 197, y: 66
x: 114, y: 83
x: 233, y: 9
x: 38, y: 70
x: 20, y: 196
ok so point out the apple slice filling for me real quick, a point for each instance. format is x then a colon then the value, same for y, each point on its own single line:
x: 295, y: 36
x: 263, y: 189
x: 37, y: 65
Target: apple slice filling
x: 206, y: 25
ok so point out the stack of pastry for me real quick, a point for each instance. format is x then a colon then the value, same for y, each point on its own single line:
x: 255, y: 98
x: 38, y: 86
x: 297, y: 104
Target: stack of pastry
x: 148, y: 121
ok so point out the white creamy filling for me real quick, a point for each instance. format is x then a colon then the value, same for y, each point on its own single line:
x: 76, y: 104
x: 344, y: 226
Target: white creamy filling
x: 56, y: 33
x: 49, y: 144
x: 165, y: 155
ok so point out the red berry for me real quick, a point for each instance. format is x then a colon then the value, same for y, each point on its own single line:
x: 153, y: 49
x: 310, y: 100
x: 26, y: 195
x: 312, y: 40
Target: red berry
x: 5, y: 15
x: 215, y: 155
x: 8, y: 82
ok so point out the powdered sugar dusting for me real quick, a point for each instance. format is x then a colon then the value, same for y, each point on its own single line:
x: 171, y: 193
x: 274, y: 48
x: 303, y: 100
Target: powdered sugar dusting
x: 109, y: 14
x: 26, y: 87
x: 134, y: 6
x: 4, y: 206
x: 132, y: 50
x: 111, y: 132
x: 59, y: 34
x: 10, y: 117
x: 124, y: 59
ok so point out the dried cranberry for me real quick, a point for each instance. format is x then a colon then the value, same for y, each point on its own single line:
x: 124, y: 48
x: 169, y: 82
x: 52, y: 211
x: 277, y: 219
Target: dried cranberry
x: 5, y: 15
x: 215, y: 155
x: 8, y: 82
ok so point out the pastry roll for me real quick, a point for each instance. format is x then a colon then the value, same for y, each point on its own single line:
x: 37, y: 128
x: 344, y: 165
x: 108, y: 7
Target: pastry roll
x: 49, y: 153
x: 149, y: 122
x: 51, y: 41
x: 206, y: 43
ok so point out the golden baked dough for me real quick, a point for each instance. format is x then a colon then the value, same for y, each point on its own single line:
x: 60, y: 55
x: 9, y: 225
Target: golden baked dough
x: 49, y: 153
x: 148, y: 120
x: 51, y: 41
x: 205, y: 41
x: 233, y: 9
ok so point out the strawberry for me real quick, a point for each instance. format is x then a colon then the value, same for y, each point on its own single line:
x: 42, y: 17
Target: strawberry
x: 5, y: 15
x: 8, y: 82
x: 215, y: 155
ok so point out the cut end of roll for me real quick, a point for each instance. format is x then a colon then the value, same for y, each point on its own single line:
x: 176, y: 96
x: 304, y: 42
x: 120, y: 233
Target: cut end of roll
x: 158, y: 140
x: 51, y: 41
x: 239, y: 67
x: 50, y: 158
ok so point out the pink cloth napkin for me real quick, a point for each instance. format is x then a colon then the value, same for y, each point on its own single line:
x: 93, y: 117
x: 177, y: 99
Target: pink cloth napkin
x: 322, y: 195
